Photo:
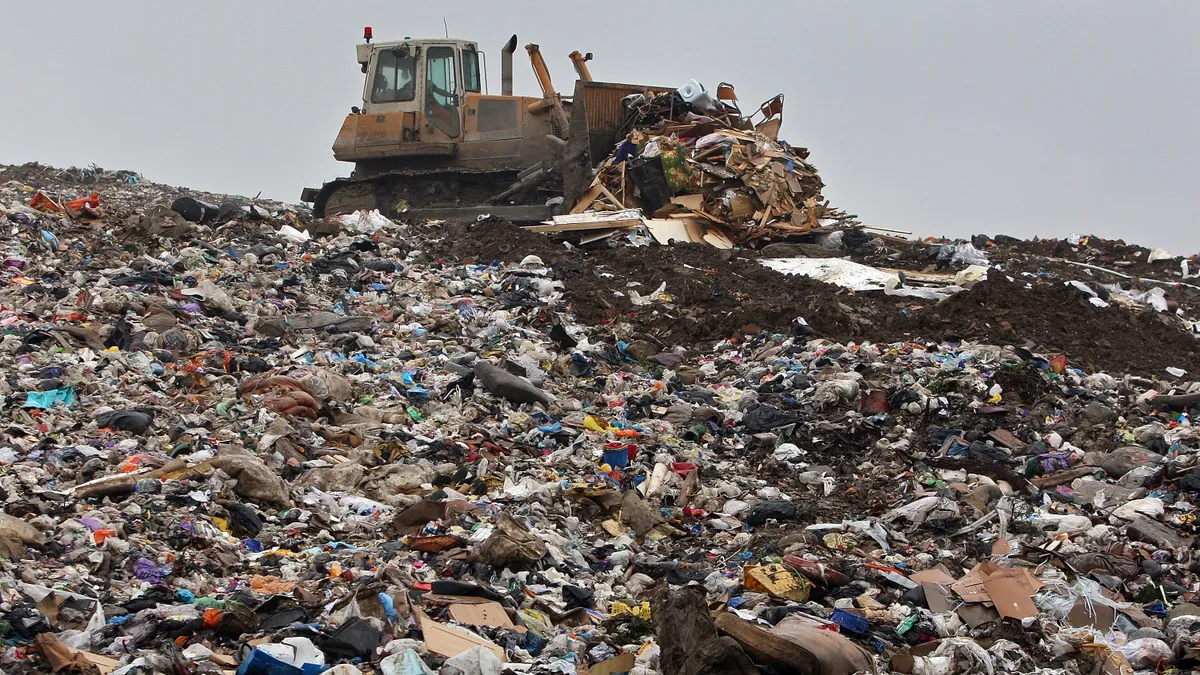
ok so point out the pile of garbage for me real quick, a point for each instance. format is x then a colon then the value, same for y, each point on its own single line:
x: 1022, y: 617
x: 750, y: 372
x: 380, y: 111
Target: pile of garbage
x: 238, y: 440
x: 702, y: 171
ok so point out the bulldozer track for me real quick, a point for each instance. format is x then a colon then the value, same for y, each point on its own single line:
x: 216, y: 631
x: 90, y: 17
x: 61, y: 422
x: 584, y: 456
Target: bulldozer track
x: 414, y: 188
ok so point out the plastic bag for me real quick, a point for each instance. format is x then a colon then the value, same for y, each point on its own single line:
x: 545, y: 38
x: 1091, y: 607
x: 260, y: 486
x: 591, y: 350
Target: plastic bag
x: 475, y: 661
x: 407, y: 662
x: 1145, y: 652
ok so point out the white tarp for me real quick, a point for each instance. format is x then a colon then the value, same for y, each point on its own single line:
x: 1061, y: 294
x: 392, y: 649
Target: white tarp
x: 856, y: 277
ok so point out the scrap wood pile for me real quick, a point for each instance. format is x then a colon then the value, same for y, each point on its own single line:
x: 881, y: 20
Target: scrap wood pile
x: 706, y: 169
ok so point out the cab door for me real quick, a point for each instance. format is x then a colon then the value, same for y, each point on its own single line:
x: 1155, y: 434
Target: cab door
x: 443, y: 91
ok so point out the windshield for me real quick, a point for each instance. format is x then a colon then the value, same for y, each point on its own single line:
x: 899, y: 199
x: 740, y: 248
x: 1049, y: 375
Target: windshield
x: 470, y: 59
x: 393, y: 78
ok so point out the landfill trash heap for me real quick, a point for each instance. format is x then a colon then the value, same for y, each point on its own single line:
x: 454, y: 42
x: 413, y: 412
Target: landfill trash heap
x: 240, y: 440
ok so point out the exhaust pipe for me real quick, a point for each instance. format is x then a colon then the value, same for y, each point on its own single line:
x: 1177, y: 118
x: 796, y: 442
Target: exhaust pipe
x: 506, y: 66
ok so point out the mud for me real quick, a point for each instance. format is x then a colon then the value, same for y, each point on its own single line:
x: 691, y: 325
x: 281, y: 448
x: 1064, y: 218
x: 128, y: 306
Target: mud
x: 1047, y: 316
x: 714, y: 295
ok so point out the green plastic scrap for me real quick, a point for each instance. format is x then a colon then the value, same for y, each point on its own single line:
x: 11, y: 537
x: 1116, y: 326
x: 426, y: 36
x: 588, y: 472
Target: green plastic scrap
x: 211, y: 603
x: 224, y: 406
x: 414, y: 414
x: 907, y: 624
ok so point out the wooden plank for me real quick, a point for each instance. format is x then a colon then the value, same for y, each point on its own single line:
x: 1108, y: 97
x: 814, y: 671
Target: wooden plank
x: 583, y: 227
x: 615, y: 202
x: 718, y: 240
x: 586, y: 200
x: 885, y: 229
x: 596, y: 217
x: 596, y: 235
x: 591, y: 220
x: 1062, y: 477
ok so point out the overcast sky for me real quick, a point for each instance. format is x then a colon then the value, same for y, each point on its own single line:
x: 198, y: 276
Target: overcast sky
x: 1023, y: 117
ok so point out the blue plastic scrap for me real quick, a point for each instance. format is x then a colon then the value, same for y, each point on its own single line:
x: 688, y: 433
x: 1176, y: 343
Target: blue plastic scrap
x: 850, y: 623
x: 48, y: 399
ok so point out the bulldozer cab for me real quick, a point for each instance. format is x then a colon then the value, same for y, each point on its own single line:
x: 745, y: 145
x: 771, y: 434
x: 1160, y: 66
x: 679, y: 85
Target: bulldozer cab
x: 426, y: 78
x: 428, y: 135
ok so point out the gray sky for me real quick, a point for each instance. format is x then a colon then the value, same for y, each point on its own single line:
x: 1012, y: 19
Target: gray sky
x: 1024, y: 117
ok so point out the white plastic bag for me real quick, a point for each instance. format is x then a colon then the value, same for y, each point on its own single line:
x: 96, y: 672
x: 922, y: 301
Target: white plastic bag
x: 475, y: 661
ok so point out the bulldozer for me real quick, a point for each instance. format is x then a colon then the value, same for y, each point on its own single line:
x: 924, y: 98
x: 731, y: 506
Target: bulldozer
x: 429, y: 141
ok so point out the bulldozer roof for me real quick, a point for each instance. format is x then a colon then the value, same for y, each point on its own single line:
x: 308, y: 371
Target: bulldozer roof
x: 365, y: 49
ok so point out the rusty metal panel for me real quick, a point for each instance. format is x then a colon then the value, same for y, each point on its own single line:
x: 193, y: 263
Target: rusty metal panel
x: 604, y: 108
x: 497, y: 114
x: 603, y: 102
x: 604, y: 113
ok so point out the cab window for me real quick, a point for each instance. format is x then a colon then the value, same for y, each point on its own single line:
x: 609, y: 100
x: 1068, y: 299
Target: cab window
x: 441, y: 90
x: 440, y: 77
x: 470, y: 59
x: 394, y: 77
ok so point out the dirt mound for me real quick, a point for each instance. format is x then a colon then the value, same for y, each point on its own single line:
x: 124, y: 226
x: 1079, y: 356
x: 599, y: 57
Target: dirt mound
x: 710, y: 298
x: 716, y: 294
x: 1048, y: 316
x: 491, y: 239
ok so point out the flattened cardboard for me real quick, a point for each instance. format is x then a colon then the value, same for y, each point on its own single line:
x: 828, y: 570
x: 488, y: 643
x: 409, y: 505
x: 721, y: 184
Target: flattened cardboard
x: 1001, y: 547
x: 64, y: 658
x: 1010, y: 597
x: 489, y: 613
x: 976, y: 614
x: 938, y: 597
x: 1020, y: 574
x: 667, y: 230
x: 1140, y: 618
x: 903, y: 663
x: 48, y: 607
x: 937, y: 575
x: 436, y: 599
x: 718, y: 240
x: 449, y: 641
x: 1088, y: 614
x: 621, y: 663
x: 970, y: 588
x: 1007, y: 439
x: 690, y: 202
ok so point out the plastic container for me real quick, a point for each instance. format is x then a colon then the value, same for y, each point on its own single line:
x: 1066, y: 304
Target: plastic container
x: 682, y: 468
x: 616, y: 457
x: 694, y: 93
x: 850, y: 623
x: 648, y: 174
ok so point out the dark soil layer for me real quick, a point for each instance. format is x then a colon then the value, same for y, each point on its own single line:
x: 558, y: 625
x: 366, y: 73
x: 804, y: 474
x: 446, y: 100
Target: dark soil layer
x: 715, y: 295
